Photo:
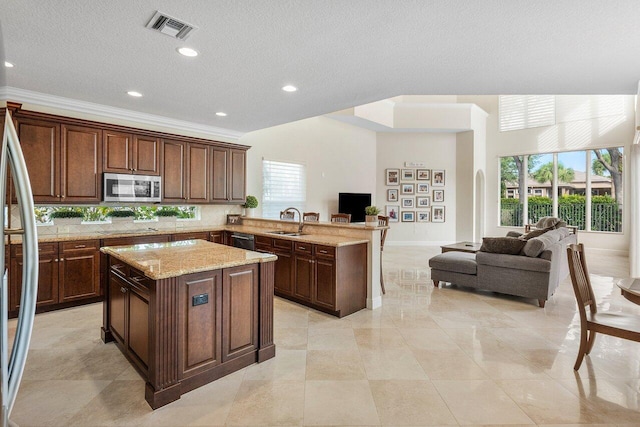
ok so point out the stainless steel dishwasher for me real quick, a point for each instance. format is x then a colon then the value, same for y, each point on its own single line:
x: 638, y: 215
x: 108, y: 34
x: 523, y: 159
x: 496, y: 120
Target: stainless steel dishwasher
x: 243, y: 240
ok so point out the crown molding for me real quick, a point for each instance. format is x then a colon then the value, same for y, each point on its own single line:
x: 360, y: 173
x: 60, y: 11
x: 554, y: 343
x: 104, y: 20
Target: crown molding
x: 8, y: 93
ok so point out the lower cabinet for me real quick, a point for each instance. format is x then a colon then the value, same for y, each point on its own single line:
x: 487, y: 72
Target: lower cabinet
x: 69, y: 273
x: 218, y: 237
x: 327, y: 278
x: 204, y: 235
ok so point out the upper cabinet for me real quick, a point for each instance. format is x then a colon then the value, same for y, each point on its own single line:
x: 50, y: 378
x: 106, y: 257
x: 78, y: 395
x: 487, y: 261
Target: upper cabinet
x: 131, y: 154
x: 174, y: 170
x: 228, y: 172
x: 64, y: 162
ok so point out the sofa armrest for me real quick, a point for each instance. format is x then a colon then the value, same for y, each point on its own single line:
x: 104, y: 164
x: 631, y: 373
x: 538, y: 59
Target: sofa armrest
x: 518, y: 262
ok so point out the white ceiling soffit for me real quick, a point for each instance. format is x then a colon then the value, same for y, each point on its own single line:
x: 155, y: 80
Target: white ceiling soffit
x: 338, y: 53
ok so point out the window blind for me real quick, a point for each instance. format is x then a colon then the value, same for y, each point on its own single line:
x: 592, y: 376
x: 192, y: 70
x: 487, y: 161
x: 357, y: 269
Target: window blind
x: 518, y: 112
x: 283, y: 185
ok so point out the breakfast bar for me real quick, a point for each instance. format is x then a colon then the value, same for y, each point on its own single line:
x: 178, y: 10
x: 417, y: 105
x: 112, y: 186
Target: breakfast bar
x: 187, y: 313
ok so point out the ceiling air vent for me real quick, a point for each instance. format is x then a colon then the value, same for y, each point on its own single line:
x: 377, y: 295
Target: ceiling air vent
x: 170, y: 26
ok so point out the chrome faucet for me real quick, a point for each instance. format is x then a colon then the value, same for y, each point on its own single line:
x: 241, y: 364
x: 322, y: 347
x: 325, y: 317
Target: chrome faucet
x: 300, y: 220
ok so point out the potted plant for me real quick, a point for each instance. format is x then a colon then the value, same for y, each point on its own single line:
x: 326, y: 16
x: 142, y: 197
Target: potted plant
x: 371, y: 219
x: 166, y: 214
x: 121, y: 215
x: 250, y: 204
x: 67, y: 217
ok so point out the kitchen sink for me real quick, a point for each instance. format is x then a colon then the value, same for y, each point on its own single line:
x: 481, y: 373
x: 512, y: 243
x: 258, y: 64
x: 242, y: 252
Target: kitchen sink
x: 286, y: 233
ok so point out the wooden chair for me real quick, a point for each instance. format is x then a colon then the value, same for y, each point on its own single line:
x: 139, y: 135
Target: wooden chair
x: 619, y: 325
x: 340, y: 217
x: 383, y: 221
x: 287, y: 215
x: 311, y: 217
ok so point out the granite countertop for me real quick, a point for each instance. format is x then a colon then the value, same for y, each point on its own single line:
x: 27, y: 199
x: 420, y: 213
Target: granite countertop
x: 93, y: 235
x: 320, y: 239
x: 173, y: 259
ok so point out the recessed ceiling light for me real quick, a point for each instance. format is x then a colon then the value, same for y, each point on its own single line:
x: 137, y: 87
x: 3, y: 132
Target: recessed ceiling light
x: 221, y: 114
x: 134, y: 93
x: 187, y: 51
x: 8, y: 64
x: 289, y: 88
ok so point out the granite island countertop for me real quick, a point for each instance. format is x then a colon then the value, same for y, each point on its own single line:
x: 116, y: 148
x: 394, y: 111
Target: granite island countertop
x: 163, y: 260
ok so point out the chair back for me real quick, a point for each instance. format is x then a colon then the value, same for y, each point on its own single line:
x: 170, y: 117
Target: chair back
x: 311, y: 216
x: 383, y: 221
x: 287, y: 215
x: 580, y: 280
x: 340, y: 217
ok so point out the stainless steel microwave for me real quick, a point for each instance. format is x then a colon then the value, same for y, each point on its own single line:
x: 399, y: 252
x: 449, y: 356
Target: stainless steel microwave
x: 131, y: 188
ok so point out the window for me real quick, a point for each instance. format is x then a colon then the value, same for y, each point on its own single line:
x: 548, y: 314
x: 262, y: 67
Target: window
x: 518, y: 112
x: 583, y: 188
x: 283, y: 185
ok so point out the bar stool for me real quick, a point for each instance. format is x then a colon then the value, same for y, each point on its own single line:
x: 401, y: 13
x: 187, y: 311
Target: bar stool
x: 287, y: 215
x: 383, y: 221
x: 311, y: 217
x: 340, y: 217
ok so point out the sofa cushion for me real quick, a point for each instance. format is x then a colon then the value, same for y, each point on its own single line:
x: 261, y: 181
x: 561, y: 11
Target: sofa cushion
x: 534, y: 247
x: 514, y: 234
x: 459, y: 262
x: 502, y: 245
x: 513, y: 262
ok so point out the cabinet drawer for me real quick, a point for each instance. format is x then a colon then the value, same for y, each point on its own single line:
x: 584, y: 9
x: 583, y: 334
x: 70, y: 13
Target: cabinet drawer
x: 139, y: 280
x: 303, y: 247
x: 263, y: 241
x: 325, y: 251
x: 119, y: 267
x: 190, y: 236
x: 282, y: 244
x: 80, y: 245
x: 264, y: 248
x: 43, y: 248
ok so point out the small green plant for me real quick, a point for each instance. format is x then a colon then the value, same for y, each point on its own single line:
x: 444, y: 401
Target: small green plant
x: 124, y: 213
x: 252, y: 202
x: 66, y: 214
x: 166, y: 212
x: 371, y: 210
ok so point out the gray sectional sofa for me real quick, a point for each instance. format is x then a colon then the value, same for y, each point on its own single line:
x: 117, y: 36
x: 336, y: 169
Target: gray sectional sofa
x: 534, y: 273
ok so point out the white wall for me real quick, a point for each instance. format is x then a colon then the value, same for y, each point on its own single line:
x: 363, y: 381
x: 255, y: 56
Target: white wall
x: 617, y: 129
x: 438, y: 151
x: 338, y: 157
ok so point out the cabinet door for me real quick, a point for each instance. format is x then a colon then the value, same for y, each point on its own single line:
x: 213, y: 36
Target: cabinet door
x: 198, y: 173
x: 179, y: 237
x: 303, y: 276
x: 81, y: 164
x: 239, y: 311
x: 174, y: 171
x: 146, y: 155
x: 217, y: 237
x: 118, y: 290
x: 283, y: 280
x: 324, y: 293
x: 40, y: 143
x: 47, y: 276
x: 237, y: 187
x: 201, y: 337
x: 117, y: 149
x: 138, y: 324
x: 219, y: 174
x: 79, y: 270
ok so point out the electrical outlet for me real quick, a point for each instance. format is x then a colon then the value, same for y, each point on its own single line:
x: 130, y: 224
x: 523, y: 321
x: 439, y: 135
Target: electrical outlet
x: 199, y: 299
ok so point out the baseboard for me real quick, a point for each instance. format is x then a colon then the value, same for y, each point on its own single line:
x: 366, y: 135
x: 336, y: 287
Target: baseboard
x: 417, y: 243
x: 610, y: 252
x: 373, y: 303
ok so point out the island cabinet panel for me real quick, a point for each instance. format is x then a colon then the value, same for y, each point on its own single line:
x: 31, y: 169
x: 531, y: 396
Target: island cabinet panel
x: 138, y: 323
x: 201, y: 335
x: 240, y: 311
x: 81, y: 164
x: 117, y: 299
x: 174, y: 179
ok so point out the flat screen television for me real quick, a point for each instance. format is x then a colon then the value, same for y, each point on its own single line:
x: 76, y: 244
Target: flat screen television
x: 354, y: 204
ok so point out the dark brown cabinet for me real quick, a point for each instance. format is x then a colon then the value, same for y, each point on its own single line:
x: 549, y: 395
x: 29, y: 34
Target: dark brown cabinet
x: 198, y: 173
x: 284, y: 265
x: 228, y: 175
x: 81, y: 164
x: 130, y: 154
x: 69, y: 272
x: 218, y: 237
x: 239, y: 311
x: 40, y: 143
x: 174, y: 167
x: 204, y: 235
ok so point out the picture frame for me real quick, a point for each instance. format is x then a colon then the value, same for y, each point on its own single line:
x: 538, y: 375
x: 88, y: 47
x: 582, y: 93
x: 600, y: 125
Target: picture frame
x: 423, y: 174
x: 408, y: 216
x: 438, y: 196
x: 408, y: 174
x: 437, y: 214
x: 407, y: 202
x: 437, y: 178
x: 234, y: 219
x: 408, y: 189
x: 393, y: 176
x: 393, y: 212
x: 422, y: 187
x: 423, y: 202
x: 424, y: 216
x: 392, y: 195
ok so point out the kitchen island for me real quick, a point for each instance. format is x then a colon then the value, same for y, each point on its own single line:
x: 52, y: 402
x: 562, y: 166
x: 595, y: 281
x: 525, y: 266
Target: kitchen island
x: 187, y: 313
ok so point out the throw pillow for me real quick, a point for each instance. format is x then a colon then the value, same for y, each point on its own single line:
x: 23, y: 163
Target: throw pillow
x: 514, y: 234
x: 534, y: 247
x: 534, y: 233
x: 502, y: 245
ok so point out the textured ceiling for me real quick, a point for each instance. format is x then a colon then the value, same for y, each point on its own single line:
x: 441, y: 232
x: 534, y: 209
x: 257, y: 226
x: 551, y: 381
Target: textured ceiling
x: 339, y: 53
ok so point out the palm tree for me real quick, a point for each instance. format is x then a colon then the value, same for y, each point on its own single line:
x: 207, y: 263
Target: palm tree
x: 545, y: 173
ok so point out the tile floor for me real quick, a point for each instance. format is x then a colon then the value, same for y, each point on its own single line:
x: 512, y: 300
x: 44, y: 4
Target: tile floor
x: 427, y: 357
